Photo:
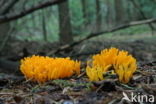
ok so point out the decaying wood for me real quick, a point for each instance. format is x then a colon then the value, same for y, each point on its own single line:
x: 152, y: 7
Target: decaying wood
x: 7, y: 66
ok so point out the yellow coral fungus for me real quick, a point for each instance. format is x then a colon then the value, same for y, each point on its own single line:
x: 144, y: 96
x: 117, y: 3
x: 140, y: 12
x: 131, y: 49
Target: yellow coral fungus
x: 123, y: 64
x: 94, y: 73
x: 106, y: 57
x: 41, y: 69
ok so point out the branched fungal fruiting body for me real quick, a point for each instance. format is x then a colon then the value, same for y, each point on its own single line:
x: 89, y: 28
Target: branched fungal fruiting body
x: 41, y: 69
x: 123, y: 64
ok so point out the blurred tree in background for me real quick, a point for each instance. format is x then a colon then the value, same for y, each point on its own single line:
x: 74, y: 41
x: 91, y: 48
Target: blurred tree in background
x: 65, y: 24
x: 66, y: 20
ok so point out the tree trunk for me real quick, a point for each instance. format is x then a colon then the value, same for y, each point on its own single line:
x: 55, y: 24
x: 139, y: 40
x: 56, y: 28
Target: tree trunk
x: 119, y: 11
x: 65, y: 34
x: 98, y: 16
x: 85, y: 14
x: 4, y: 29
x: 44, y: 27
x: 109, y: 14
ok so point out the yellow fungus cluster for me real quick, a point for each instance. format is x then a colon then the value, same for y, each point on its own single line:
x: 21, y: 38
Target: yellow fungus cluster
x: 41, y: 69
x: 123, y: 64
x: 94, y: 73
x: 106, y: 57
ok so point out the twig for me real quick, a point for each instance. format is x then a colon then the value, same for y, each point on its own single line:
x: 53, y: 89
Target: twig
x: 128, y: 87
x: 149, y: 63
x: 99, y: 88
x: 145, y: 73
x: 81, y: 75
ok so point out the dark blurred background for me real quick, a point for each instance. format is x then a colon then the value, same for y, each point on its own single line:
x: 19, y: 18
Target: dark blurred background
x: 75, y: 28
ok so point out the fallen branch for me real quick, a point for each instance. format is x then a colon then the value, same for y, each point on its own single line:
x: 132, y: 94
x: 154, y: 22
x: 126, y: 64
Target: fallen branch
x: 135, y: 23
x: 13, y: 16
x: 142, y: 13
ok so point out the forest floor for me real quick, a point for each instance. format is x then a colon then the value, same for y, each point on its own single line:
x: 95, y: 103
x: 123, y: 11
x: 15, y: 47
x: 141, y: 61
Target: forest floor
x: 78, y: 90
